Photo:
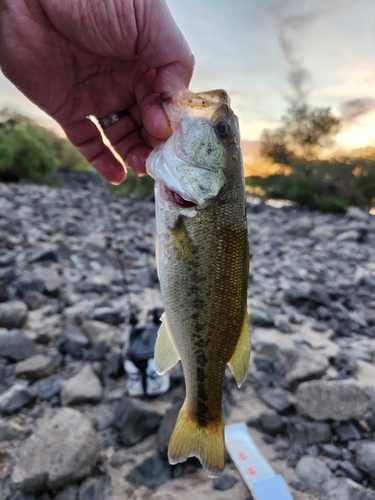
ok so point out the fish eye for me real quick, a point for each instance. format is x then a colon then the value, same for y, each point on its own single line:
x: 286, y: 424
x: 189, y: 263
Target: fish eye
x: 223, y: 129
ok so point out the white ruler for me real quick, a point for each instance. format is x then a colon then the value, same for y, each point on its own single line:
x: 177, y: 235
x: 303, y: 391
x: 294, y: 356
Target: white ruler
x: 257, y: 473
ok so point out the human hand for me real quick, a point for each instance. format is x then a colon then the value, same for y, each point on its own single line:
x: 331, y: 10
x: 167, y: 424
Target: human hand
x: 75, y: 58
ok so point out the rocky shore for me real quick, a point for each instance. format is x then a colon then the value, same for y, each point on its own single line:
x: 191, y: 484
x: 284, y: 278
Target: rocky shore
x: 77, y: 267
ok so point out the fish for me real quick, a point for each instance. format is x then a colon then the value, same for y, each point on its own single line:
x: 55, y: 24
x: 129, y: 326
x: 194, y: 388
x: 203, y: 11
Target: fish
x: 202, y: 255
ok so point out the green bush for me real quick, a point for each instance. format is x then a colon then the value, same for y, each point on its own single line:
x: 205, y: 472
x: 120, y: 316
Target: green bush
x: 134, y: 187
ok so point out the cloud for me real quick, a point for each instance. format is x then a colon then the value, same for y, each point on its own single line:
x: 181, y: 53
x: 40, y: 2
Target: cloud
x: 357, y: 107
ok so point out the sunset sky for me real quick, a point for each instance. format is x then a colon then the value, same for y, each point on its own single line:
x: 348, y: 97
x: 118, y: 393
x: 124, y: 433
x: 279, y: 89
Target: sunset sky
x: 270, y: 53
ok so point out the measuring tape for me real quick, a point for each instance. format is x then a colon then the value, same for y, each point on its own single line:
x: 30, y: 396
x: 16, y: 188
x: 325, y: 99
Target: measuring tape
x: 257, y: 473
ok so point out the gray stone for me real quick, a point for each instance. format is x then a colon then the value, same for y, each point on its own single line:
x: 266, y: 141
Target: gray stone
x: 336, y: 400
x: 7, y: 274
x: 10, y: 430
x: 62, y: 450
x: 68, y: 493
x: 282, y: 323
x: 322, y: 233
x: 309, y: 432
x: 34, y: 299
x: 278, y: 399
x: 347, y: 431
x: 72, y: 340
x: 93, y: 489
x: 50, y: 279
x: 260, y: 318
x: 302, y: 363
x: 37, y: 366
x: 355, y: 213
x: 330, y: 450
x: 301, y: 226
x: 108, y: 315
x: 84, y: 387
x: 272, y: 424
x: 311, y: 474
x: 97, y: 331
x: 152, y: 472
x: 13, y: 314
x: 224, y: 482
x: 15, y: 398
x: 134, y: 422
x: 342, y: 488
x: 350, y: 470
x: 365, y: 458
x: 15, y: 346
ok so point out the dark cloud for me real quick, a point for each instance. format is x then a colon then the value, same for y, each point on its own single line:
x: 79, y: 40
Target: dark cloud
x: 290, y: 27
x: 357, y: 107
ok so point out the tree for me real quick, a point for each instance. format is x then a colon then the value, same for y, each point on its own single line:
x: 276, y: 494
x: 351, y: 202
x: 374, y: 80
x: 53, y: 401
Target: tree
x: 304, y: 132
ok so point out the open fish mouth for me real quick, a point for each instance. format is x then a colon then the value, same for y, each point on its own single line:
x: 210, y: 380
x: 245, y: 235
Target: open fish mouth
x: 176, y: 198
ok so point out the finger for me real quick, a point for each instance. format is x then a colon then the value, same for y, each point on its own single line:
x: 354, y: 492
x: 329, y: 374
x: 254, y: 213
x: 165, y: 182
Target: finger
x: 154, y: 117
x: 86, y: 138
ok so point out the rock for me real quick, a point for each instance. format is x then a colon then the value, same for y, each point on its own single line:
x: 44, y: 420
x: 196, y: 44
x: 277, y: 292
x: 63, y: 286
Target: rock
x: 313, y: 297
x: 34, y: 300
x: 7, y: 275
x: 134, y: 422
x: 48, y: 254
x: 35, y: 367
x: 341, y: 488
x: 302, y: 363
x: 97, y: 331
x: 93, y: 489
x: 322, y: 233
x: 351, y: 235
x: 49, y: 387
x: 50, y: 278
x: 165, y: 430
x: 355, y: 213
x: 62, y: 450
x: 330, y: 450
x: 15, y: 398
x: 301, y: 226
x: 336, y: 400
x: 114, y: 366
x: 272, y: 424
x: 278, y: 399
x: 350, y: 470
x: 84, y: 387
x: 98, y: 352
x: 108, y: 315
x: 345, y: 361
x: 224, y: 482
x: 152, y: 472
x: 13, y: 314
x: 72, y: 341
x: 260, y: 318
x: 347, y: 431
x: 10, y: 430
x: 311, y: 474
x: 15, y: 346
x: 69, y: 493
x: 282, y: 323
x: 309, y: 432
x: 365, y: 458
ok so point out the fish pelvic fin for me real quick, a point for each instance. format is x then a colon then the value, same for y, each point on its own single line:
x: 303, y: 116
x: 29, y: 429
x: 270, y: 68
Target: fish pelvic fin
x: 166, y: 354
x: 190, y: 439
x: 239, y: 362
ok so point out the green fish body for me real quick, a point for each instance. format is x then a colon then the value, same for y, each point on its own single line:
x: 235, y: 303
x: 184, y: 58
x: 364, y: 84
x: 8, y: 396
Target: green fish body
x: 203, y: 266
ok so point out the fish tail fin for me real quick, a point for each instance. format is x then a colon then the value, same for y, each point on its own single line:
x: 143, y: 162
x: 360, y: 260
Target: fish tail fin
x: 190, y: 439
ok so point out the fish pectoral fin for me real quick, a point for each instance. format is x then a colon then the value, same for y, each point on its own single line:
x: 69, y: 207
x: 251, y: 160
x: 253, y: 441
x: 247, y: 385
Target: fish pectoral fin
x: 166, y: 354
x: 239, y: 362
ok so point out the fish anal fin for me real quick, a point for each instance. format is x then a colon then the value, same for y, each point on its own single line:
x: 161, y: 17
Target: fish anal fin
x: 239, y: 362
x: 189, y: 439
x: 166, y: 354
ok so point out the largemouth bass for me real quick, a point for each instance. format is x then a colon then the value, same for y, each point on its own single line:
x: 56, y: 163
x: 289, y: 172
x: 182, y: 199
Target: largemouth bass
x: 203, y: 266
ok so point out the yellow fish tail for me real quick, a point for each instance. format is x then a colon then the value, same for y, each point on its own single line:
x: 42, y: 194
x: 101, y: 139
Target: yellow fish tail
x: 206, y: 442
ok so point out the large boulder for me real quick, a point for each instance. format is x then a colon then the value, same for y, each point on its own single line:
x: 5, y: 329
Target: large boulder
x: 63, y: 450
x: 332, y: 400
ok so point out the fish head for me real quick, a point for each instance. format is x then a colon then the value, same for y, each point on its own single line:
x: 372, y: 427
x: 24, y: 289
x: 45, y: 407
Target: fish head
x: 193, y: 166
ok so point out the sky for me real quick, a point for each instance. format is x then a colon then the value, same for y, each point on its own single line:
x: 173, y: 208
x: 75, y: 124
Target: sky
x: 269, y: 54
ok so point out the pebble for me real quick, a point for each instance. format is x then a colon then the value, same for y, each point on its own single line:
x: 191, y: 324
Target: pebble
x: 15, y: 346
x: 35, y: 367
x: 365, y: 458
x: 311, y: 474
x: 13, y: 314
x: 84, y: 387
x: 342, y: 488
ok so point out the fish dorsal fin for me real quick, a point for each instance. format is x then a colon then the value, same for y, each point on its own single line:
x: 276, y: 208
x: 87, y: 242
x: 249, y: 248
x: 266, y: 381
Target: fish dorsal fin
x: 166, y: 354
x: 239, y: 362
